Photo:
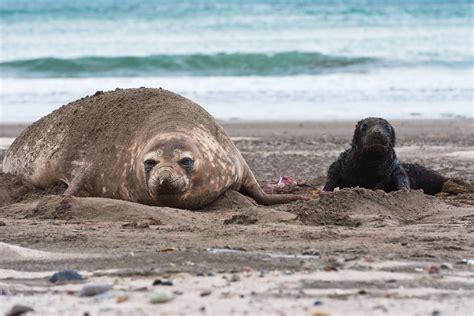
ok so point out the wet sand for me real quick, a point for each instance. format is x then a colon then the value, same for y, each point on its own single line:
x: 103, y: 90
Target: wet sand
x: 359, y: 251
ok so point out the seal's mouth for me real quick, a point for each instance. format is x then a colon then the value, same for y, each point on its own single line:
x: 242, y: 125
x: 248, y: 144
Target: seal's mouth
x: 376, y: 145
x: 166, y: 184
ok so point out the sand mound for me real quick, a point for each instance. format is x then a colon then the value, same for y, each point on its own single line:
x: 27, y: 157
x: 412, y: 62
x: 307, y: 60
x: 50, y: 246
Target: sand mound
x: 54, y: 207
x: 16, y: 253
x: 14, y: 189
x: 354, y: 207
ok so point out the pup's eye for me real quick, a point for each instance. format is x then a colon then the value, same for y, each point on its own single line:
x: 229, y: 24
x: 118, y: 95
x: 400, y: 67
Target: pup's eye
x: 387, y: 127
x: 186, y: 163
x: 149, y: 164
x: 363, y: 127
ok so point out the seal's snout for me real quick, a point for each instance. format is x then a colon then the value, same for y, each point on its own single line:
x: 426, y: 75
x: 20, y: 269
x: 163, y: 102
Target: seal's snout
x: 166, y: 181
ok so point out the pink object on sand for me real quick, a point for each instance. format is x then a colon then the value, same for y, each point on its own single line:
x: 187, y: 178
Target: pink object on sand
x: 285, y: 181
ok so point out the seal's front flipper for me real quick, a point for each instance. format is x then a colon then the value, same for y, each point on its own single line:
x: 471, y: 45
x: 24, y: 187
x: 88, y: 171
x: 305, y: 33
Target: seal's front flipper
x: 76, y: 184
x: 400, y: 176
x: 251, y: 188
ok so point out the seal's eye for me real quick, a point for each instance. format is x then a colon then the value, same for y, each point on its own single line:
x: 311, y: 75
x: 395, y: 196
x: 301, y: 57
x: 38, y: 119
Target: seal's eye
x: 363, y: 127
x: 149, y: 164
x: 387, y: 127
x: 187, y: 163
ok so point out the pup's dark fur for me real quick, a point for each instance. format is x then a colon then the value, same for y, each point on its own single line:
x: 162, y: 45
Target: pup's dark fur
x: 371, y: 163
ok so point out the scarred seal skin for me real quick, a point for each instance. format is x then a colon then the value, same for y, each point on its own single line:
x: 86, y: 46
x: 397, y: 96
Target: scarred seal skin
x: 371, y: 163
x: 149, y: 146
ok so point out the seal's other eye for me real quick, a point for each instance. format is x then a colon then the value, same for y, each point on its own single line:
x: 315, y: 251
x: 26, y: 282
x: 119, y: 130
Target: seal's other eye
x: 387, y: 127
x: 149, y: 164
x: 187, y: 163
x: 363, y: 127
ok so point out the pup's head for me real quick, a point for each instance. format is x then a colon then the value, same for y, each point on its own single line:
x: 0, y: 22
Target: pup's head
x: 374, y: 137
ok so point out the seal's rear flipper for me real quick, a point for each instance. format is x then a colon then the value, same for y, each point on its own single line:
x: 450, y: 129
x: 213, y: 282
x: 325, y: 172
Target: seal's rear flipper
x: 251, y: 188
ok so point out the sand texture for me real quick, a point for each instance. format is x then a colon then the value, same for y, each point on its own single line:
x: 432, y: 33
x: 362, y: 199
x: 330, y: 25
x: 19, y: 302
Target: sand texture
x: 354, y: 251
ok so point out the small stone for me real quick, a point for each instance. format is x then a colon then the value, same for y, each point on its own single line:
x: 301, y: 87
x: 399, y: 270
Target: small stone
x: 168, y: 249
x: 317, y: 303
x: 121, y: 299
x: 211, y: 274
x: 161, y: 297
x: 2, y: 223
x: 234, y: 278
x: 446, y: 266
x: 435, y: 313
x: 320, y: 314
x: 94, y: 289
x: 65, y: 276
x: 362, y: 292
x: 311, y: 252
x: 157, y: 282
x: 142, y: 225
x: 166, y: 282
x: 18, y: 310
x: 200, y: 274
x: 205, y: 293
x: 433, y: 270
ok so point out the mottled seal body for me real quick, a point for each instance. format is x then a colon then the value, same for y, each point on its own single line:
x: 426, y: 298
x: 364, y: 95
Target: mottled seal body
x: 150, y: 146
x: 371, y: 163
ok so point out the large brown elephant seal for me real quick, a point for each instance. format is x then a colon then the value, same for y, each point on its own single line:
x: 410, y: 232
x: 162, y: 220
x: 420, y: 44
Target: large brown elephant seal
x: 149, y: 146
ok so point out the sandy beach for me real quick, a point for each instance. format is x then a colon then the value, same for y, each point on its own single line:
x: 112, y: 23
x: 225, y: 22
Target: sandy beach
x: 354, y: 251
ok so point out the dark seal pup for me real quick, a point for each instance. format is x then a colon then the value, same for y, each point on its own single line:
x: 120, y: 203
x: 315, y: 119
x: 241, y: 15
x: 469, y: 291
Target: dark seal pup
x: 371, y: 163
x: 149, y: 146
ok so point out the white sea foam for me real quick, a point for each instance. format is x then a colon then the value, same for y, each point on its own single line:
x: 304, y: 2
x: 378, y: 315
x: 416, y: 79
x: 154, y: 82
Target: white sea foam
x: 391, y: 93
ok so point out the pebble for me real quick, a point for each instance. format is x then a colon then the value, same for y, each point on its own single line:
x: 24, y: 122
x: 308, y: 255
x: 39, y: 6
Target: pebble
x: 446, y: 266
x: 311, y: 252
x: 167, y: 282
x: 362, y: 292
x: 2, y: 223
x: 234, y: 278
x: 94, y: 289
x: 317, y: 303
x: 18, y: 309
x: 433, y: 270
x: 435, y: 313
x: 205, y: 293
x: 161, y: 297
x: 211, y: 274
x: 121, y: 299
x: 66, y: 275
x: 200, y: 274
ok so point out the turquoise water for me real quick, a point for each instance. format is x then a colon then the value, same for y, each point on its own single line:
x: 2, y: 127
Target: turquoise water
x: 243, y: 59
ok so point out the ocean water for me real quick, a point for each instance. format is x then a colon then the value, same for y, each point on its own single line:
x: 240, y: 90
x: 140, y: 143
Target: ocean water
x: 247, y: 60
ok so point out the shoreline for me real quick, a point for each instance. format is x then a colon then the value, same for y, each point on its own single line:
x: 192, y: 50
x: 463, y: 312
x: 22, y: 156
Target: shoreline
x: 12, y: 129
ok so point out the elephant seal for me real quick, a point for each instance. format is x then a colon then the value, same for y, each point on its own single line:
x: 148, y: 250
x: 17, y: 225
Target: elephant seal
x: 149, y: 146
x: 371, y: 163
